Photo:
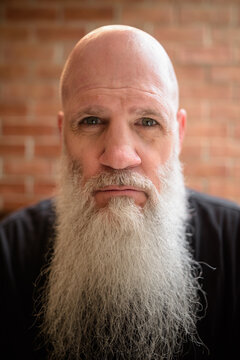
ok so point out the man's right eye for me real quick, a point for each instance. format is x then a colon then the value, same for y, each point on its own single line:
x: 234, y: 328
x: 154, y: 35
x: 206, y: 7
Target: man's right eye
x: 90, y: 120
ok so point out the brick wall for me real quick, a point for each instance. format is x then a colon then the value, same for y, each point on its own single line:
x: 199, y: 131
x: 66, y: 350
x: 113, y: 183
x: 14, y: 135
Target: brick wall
x: 201, y: 37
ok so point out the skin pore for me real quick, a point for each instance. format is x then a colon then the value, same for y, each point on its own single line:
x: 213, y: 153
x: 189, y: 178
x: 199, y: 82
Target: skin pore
x: 120, y: 108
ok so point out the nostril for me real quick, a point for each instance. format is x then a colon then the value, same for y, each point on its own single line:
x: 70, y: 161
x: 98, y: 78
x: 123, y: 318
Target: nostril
x: 120, y: 157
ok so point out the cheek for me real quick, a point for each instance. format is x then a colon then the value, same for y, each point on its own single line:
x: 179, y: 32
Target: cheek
x: 155, y: 158
x: 85, y: 154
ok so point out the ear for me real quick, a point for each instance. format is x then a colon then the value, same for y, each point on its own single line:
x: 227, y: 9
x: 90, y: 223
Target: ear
x: 60, y: 121
x: 182, y: 120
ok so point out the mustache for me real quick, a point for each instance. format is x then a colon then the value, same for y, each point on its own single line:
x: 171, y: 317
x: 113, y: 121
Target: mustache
x: 110, y: 177
x: 120, y: 178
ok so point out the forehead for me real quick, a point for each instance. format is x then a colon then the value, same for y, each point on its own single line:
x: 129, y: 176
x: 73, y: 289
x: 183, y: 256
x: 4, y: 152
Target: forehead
x: 119, y: 91
x: 119, y: 63
x: 107, y: 102
x: 122, y: 95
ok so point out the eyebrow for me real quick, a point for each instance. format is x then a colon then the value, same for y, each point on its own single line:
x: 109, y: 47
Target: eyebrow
x: 102, y: 111
x: 92, y: 110
x: 145, y: 111
x: 163, y: 115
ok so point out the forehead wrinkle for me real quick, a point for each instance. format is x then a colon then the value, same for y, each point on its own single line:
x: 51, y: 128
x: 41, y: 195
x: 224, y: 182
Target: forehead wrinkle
x: 92, y: 88
x: 159, y: 95
x: 79, y: 92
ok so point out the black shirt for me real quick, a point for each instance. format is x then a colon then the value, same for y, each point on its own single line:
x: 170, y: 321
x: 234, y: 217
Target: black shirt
x: 214, y: 234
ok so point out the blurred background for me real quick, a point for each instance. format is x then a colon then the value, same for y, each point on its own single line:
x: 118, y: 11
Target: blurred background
x: 201, y: 37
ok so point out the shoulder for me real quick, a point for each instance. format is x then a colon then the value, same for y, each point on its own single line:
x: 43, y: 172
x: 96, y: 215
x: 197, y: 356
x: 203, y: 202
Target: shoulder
x: 25, y: 236
x: 214, y: 226
x: 213, y: 210
x: 31, y: 218
x: 42, y: 209
x: 214, y: 234
x: 202, y: 200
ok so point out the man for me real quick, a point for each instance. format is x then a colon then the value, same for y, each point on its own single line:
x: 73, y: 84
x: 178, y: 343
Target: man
x: 125, y: 263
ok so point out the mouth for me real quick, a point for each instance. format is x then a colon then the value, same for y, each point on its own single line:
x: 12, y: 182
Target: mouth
x: 112, y: 189
x: 118, y: 188
x: 106, y: 193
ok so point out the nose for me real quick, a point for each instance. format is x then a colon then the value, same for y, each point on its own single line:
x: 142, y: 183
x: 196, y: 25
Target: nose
x: 119, y: 151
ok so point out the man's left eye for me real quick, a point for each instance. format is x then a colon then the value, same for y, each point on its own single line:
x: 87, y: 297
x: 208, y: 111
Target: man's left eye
x: 148, y: 122
x: 91, y: 120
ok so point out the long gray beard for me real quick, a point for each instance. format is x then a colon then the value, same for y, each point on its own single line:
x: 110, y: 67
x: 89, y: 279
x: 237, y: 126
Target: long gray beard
x: 122, y: 281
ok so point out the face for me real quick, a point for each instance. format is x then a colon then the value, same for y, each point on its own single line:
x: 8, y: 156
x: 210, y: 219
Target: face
x: 127, y: 124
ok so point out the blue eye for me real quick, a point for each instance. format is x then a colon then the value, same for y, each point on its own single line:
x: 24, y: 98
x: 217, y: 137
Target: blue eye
x: 91, y: 120
x: 148, y: 122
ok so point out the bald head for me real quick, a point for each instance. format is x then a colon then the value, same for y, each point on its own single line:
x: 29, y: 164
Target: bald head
x: 119, y: 57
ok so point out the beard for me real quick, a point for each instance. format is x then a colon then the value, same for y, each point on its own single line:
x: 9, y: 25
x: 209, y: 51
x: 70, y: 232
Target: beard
x: 122, y: 283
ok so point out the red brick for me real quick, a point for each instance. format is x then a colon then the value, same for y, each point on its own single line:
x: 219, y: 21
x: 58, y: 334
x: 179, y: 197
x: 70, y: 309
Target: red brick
x: 209, y: 15
x: 230, y: 35
x: 12, y: 149
x: 7, y: 187
x: 28, y: 52
x: 205, y: 129
x: 227, y: 189
x: 226, y: 111
x: 45, y: 188
x: 13, y: 109
x: 215, y: 55
x: 237, y: 54
x: 45, y: 108
x: 7, y: 2
x: 226, y: 73
x: 195, y: 183
x: 191, y: 151
x: 88, y: 13
x: 224, y: 149
x: 152, y: 13
x: 207, y: 170
x: 236, y: 93
x: 195, y: 109
x: 28, y: 13
x: 17, y: 202
x: 21, y: 128
x: 192, y: 73
x: 206, y: 91
x: 63, y: 2
x: 60, y: 33
x: 48, y: 71
x: 105, y: 1
x: 50, y: 150
x: 236, y: 172
x: 176, y: 35
x: 17, y: 33
x: 31, y: 91
x: 13, y: 71
x: 24, y: 167
x: 218, y: 2
x: 237, y: 131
